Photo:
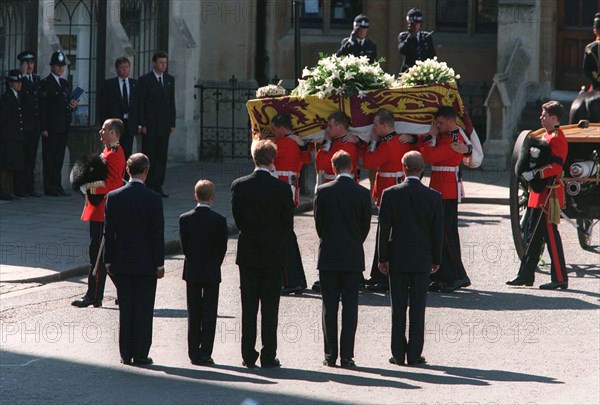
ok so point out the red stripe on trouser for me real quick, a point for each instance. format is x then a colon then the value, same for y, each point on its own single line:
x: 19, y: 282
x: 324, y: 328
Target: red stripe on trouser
x: 99, y: 263
x: 553, y: 251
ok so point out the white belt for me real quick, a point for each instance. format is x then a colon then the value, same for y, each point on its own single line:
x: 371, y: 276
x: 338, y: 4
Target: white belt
x: 394, y: 175
x: 329, y: 176
x: 453, y: 169
x: 288, y: 174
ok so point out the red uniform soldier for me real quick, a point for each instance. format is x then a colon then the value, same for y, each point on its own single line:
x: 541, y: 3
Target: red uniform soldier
x: 384, y: 153
x: 541, y: 225
x: 93, y: 212
x: 386, y: 157
x: 444, y: 149
x: 336, y: 138
x: 292, y: 153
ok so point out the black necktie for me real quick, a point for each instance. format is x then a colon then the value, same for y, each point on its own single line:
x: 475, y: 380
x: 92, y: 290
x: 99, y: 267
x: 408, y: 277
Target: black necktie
x: 160, y: 81
x: 125, y: 95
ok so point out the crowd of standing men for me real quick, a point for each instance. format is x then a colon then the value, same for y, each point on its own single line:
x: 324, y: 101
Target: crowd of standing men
x: 34, y: 108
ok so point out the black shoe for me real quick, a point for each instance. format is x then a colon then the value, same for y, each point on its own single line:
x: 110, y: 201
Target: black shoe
x: 451, y: 286
x: 329, y: 363
x: 379, y: 287
x: 316, y: 287
x: 143, y: 362
x: 517, y: 281
x: 396, y: 361
x: 203, y: 361
x: 270, y: 363
x: 419, y: 360
x: 64, y: 194
x: 34, y: 194
x: 86, y: 302
x: 53, y: 193
x: 248, y: 365
x: 554, y: 285
x: 292, y: 290
x: 434, y: 286
x: 347, y: 363
x: 464, y: 282
x: 117, y: 302
x: 7, y: 197
x: 21, y: 195
x: 126, y: 362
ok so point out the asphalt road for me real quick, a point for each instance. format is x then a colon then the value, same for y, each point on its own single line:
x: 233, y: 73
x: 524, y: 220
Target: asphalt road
x: 486, y: 344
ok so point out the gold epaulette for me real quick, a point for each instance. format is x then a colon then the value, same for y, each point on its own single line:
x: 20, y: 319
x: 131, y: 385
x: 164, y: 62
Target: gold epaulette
x: 94, y: 185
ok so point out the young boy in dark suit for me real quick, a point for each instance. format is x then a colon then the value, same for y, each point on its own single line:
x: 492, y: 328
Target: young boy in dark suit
x: 203, y: 235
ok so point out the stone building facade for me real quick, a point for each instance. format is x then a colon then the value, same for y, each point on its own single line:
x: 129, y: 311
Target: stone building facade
x: 520, y: 50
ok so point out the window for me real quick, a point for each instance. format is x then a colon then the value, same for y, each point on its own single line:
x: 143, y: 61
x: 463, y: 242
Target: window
x: 330, y: 13
x: 18, y: 32
x: 76, y: 27
x: 146, y: 26
x: 468, y: 16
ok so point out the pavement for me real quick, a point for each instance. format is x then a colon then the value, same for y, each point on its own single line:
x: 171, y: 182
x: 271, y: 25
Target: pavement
x: 43, y: 240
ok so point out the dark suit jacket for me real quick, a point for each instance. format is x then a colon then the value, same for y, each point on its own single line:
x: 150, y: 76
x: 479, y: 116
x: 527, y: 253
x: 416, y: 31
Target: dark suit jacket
x: 30, y: 104
x: 111, y: 105
x: 55, y: 113
x: 342, y: 211
x: 157, y: 104
x: 263, y: 209
x: 134, y: 230
x: 411, y: 227
x: 203, y: 236
x: 11, y: 118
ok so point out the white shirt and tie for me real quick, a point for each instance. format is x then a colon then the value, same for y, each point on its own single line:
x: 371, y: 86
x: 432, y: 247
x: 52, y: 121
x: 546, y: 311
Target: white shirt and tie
x: 124, y: 85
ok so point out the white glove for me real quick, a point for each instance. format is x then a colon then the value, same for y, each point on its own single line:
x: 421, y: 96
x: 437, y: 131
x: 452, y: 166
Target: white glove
x: 83, y: 189
x: 528, y: 175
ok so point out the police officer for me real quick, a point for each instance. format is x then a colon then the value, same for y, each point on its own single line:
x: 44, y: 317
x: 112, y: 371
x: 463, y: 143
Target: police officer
x: 591, y: 60
x: 29, y: 97
x: 415, y: 44
x: 56, y: 108
x: 11, y: 139
x: 357, y: 43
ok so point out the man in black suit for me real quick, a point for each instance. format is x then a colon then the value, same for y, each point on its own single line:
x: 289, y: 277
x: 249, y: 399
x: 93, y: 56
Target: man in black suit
x: 29, y: 98
x: 342, y: 212
x: 134, y: 257
x: 119, y: 98
x: 56, y: 107
x: 411, y: 230
x: 263, y: 209
x: 157, y: 118
x: 203, y: 236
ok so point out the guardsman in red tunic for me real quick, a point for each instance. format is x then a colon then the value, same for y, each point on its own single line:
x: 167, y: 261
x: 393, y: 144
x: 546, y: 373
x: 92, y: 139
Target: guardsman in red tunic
x: 93, y: 212
x: 384, y: 153
x: 337, y: 138
x: 543, y: 219
x: 292, y: 154
x: 444, y: 148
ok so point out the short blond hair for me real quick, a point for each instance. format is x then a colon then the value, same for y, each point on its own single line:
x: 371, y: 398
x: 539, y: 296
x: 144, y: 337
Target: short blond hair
x: 413, y: 163
x: 341, y: 161
x: 204, y: 190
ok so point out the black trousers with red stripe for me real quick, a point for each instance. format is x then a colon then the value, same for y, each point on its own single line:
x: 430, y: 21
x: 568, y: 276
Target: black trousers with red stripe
x: 96, y: 282
x: 544, y: 232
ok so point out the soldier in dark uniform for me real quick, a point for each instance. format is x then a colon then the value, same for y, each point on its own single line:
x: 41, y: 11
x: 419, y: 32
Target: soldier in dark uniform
x: 11, y: 139
x: 357, y: 43
x: 56, y: 108
x: 591, y: 60
x: 29, y: 97
x: 415, y: 44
